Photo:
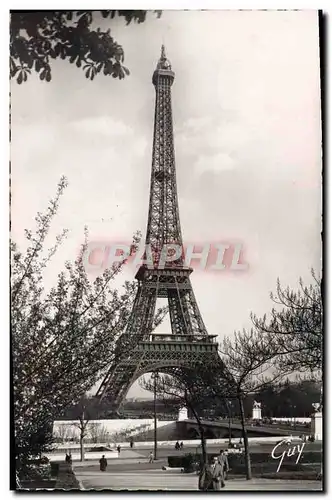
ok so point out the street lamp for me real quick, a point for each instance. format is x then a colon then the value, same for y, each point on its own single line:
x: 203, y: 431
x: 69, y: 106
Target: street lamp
x: 229, y: 403
x: 293, y: 414
x: 155, y: 376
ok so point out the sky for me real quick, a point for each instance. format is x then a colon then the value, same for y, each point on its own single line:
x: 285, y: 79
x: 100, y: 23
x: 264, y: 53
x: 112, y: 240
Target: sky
x: 246, y: 111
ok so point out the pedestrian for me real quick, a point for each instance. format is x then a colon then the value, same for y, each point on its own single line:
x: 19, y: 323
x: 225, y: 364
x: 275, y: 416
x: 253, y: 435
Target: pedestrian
x: 223, y: 461
x: 226, y: 471
x: 177, y: 446
x: 67, y: 458
x: 103, y: 463
x: 217, y: 474
x: 70, y: 459
x: 181, y: 445
x: 151, y: 458
x: 205, y: 482
x: 119, y: 449
x: 131, y: 443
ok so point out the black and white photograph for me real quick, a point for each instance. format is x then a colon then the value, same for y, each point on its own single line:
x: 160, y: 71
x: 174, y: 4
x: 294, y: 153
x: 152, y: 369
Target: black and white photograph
x: 166, y: 250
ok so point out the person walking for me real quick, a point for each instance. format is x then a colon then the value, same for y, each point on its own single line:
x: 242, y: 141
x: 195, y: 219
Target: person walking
x: 223, y: 461
x: 205, y: 482
x: 150, y: 457
x: 202, y: 478
x: 119, y: 449
x: 226, y: 471
x: 131, y: 443
x: 218, y: 481
x: 103, y: 463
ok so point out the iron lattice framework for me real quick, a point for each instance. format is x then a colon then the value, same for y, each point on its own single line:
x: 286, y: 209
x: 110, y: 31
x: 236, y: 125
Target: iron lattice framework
x: 140, y: 350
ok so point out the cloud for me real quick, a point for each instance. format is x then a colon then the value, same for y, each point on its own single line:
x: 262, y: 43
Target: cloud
x: 216, y: 163
x: 102, y: 126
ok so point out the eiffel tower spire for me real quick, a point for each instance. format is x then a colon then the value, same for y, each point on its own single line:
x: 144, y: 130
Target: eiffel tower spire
x: 140, y: 349
x: 164, y: 221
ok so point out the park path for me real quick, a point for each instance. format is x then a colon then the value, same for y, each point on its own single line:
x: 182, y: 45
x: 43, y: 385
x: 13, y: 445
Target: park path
x: 159, y: 480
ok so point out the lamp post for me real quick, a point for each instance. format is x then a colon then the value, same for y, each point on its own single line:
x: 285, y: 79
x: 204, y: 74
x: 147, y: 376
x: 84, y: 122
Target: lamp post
x: 229, y: 403
x: 293, y: 414
x: 155, y: 377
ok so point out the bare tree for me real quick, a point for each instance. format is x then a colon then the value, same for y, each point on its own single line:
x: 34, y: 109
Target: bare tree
x: 89, y: 408
x: 246, y: 367
x: 94, y: 431
x: 184, y: 388
x: 97, y: 432
x: 290, y: 341
x: 83, y: 414
x: 63, y: 432
x: 294, y: 329
x: 63, y: 340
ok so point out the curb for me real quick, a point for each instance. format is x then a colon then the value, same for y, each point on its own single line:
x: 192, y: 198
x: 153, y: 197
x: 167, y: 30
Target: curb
x: 80, y: 484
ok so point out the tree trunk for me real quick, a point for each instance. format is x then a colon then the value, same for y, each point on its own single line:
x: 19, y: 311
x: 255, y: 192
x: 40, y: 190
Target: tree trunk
x: 82, y: 445
x: 203, y: 442
x: 202, y: 436
x: 245, y: 439
x: 82, y: 429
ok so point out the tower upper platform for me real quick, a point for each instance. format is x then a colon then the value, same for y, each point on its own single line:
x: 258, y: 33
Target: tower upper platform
x: 163, y: 68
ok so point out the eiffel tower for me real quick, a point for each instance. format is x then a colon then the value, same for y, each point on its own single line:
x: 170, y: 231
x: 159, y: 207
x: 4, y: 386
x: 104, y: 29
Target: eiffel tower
x: 140, y: 350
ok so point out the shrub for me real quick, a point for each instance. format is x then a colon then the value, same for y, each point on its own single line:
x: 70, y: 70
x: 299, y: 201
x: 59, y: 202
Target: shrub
x: 175, y: 461
x: 54, y: 469
x: 188, y: 462
x: 261, y: 463
x: 39, y: 461
x: 35, y: 472
x: 66, y: 479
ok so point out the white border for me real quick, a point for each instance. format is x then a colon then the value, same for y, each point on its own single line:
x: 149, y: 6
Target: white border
x: 174, y: 5
x: 83, y: 4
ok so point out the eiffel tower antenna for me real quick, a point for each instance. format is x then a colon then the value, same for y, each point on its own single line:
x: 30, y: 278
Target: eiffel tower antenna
x: 139, y: 350
x: 163, y: 53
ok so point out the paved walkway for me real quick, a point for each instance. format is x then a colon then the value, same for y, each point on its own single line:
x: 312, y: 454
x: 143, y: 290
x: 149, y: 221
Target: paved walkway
x: 160, y: 480
x: 125, y: 457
